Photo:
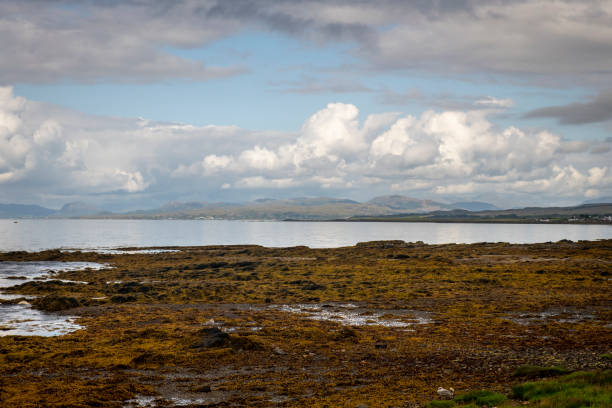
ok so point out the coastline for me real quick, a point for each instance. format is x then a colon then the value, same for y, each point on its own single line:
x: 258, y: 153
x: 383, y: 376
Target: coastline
x: 380, y: 323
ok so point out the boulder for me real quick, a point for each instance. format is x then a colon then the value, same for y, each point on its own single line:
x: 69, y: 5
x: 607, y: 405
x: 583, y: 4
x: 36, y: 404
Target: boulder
x: 54, y: 303
x: 212, y: 337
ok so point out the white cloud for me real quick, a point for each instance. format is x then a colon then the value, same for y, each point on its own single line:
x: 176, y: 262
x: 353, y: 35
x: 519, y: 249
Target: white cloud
x: 492, y: 102
x: 259, y: 158
x: 212, y: 162
x: 47, y: 151
x: 262, y: 182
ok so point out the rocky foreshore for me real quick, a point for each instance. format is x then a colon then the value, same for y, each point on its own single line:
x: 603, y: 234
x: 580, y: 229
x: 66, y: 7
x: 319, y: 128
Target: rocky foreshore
x: 380, y: 324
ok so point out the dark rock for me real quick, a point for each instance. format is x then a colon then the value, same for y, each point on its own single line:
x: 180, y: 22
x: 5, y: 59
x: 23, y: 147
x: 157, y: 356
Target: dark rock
x: 53, y: 303
x: 203, y: 388
x: 380, y: 346
x: 212, y: 337
x: 150, y: 358
x: 122, y: 299
x: 245, y: 343
x: 313, y: 286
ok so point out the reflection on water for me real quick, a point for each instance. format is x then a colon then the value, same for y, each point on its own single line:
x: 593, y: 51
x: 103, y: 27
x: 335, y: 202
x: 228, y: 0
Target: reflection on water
x: 33, y: 235
x: 352, y: 315
x: 16, y: 273
x: 21, y: 319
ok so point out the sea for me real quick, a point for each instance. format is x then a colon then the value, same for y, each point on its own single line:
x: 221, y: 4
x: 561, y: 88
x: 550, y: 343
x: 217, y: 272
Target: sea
x: 82, y: 234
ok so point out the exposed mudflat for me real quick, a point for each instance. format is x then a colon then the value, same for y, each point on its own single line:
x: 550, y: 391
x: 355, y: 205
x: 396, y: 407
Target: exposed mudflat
x: 380, y: 323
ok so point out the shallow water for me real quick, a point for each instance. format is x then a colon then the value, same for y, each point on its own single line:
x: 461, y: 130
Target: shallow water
x: 39, y: 234
x: 352, y: 315
x: 10, y: 271
x: 22, y: 320
x: 110, y: 251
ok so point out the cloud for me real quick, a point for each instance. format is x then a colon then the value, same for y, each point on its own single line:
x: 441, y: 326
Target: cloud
x: 116, y: 41
x: 597, y: 110
x: 569, y: 39
x: 311, y: 85
x: 543, y: 41
x: 492, y: 102
x: 47, y: 151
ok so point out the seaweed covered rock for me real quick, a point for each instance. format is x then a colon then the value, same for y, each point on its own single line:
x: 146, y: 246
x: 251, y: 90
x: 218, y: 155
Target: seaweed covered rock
x: 122, y: 299
x: 54, y: 303
x: 212, y: 337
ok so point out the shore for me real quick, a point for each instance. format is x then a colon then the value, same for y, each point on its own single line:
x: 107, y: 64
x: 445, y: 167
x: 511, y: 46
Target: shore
x: 382, y: 324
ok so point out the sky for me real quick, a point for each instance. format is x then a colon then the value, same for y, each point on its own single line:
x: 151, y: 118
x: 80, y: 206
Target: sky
x: 131, y: 104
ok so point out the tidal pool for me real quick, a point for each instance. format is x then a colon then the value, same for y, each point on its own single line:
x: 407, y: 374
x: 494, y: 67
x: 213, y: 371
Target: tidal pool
x: 21, y: 319
x: 349, y: 314
x: 16, y: 273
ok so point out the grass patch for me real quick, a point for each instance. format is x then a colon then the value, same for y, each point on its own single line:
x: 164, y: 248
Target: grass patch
x: 539, y: 372
x: 580, y: 389
x: 482, y: 397
x: 576, y: 390
x: 607, y: 356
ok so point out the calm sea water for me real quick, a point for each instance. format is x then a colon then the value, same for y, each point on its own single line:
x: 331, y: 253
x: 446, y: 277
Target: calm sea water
x: 35, y: 235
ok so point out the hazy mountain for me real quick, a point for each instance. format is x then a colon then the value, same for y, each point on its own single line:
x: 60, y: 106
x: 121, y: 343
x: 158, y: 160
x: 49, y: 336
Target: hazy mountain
x: 600, y: 200
x: 22, y: 210
x: 474, y: 206
x: 313, y: 201
x: 180, y: 206
x: 77, y: 209
x: 586, y: 213
x: 403, y: 203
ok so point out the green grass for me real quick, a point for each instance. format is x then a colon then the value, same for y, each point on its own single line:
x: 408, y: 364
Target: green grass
x: 607, y: 356
x: 580, y: 389
x: 480, y: 398
x: 471, y: 399
x: 530, y: 372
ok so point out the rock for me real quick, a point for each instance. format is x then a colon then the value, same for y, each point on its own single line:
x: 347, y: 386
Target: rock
x: 212, y: 337
x: 202, y: 388
x: 24, y: 302
x: 122, y: 299
x: 380, y: 346
x: 447, y: 394
x: 53, y: 303
x: 279, y: 351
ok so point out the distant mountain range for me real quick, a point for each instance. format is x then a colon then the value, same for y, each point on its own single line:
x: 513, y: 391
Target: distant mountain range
x: 75, y: 209
x: 22, y: 210
x: 304, y: 208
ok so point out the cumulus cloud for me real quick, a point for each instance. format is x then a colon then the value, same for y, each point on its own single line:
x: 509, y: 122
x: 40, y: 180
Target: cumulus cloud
x: 597, y: 110
x: 49, y: 151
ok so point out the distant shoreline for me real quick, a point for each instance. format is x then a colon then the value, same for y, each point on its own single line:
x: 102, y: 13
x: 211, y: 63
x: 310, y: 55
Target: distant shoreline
x: 353, y: 220
x: 457, y: 221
